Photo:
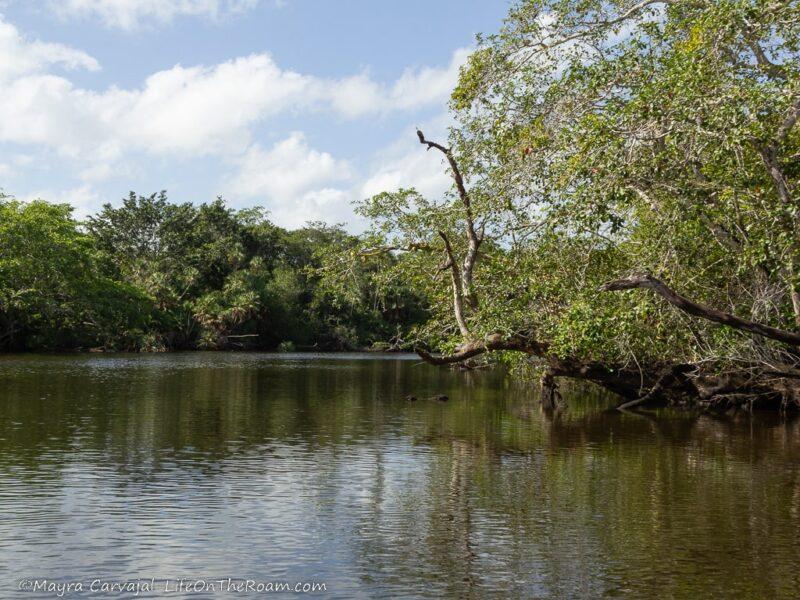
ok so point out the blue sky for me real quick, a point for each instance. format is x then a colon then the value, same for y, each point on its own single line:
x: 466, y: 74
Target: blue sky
x: 300, y: 106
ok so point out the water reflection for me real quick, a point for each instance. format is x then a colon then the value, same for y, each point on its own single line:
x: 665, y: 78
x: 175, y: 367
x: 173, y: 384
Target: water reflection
x: 315, y: 468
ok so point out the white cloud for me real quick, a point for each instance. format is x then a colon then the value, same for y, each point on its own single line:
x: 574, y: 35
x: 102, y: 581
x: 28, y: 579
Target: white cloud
x: 97, y: 172
x: 131, y: 14
x: 183, y: 110
x: 190, y: 111
x: 196, y: 110
x: 416, y: 168
x: 358, y: 95
x: 286, y: 170
x: 19, y: 56
x: 293, y: 181
x: 84, y: 199
x: 23, y: 160
x: 429, y: 85
x: 205, y: 110
x: 330, y: 205
x: 298, y: 184
x: 406, y: 164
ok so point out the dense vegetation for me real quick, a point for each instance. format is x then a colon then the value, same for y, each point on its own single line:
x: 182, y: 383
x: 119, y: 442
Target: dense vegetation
x: 612, y: 145
x: 152, y: 275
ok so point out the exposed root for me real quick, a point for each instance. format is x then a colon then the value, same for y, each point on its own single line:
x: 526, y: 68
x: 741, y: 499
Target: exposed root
x: 684, y: 384
x: 669, y: 376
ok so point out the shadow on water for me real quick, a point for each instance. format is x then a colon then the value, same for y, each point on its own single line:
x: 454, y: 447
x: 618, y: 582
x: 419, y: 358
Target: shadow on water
x: 316, y: 468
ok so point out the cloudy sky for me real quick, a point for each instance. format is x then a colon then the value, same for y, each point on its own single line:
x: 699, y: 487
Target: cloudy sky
x: 299, y: 106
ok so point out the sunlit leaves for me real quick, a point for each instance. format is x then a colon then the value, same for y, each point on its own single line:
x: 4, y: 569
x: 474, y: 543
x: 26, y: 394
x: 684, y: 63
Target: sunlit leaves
x: 600, y: 137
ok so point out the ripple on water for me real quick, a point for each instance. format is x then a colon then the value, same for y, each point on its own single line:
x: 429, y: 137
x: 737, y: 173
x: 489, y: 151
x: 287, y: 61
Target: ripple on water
x: 314, y: 468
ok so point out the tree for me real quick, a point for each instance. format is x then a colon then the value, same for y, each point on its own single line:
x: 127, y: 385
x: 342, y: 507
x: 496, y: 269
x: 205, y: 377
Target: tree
x: 617, y: 145
x: 52, y: 293
x: 222, y: 278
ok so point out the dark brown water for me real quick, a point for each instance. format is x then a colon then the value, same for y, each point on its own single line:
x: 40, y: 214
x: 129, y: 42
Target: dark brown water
x: 290, y: 468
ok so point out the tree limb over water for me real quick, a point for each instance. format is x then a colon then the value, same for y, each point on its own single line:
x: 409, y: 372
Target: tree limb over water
x: 632, y: 133
x: 648, y: 282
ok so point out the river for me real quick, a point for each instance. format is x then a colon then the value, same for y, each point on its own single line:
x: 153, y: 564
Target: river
x: 299, y: 469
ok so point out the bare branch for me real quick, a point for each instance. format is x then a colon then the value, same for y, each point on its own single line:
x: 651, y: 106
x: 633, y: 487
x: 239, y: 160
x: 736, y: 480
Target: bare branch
x: 378, y: 250
x: 474, y: 238
x: 458, y: 287
x: 645, y: 281
x: 459, y: 356
x: 770, y: 156
x: 456, y: 172
x: 595, y: 25
x: 491, y: 344
x: 667, y: 377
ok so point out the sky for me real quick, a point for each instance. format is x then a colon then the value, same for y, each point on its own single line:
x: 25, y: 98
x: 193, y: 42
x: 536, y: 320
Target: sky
x: 298, y: 106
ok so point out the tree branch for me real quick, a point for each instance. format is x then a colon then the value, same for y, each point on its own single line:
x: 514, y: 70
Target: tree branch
x: 458, y: 286
x: 645, y: 281
x: 491, y: 344
x: 456, y: 172
x: 667, y: 377
x: 788, y: 122
x: 767, y: 66
x: 768, y: 150
x: 473, y: 238
x: 592, y: 26
x: 772, y: 162
x: 378, y: 250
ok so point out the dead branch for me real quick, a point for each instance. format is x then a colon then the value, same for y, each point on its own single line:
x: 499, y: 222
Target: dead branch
x: 667, y: 378
x: 491, y: 344
x: 458, y: 286
x: 646, y: 281
x: 474, y: 239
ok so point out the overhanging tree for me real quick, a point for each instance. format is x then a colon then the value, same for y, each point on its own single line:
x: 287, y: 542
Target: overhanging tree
x: 605, y: 146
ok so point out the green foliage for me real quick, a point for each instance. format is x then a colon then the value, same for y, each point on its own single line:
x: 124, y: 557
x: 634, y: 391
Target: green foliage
x: 152, y: 275
x: 52, y: 292
x: 600, y: 138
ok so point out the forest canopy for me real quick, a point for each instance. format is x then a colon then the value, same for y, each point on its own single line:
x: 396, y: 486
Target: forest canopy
x: 152, y: 275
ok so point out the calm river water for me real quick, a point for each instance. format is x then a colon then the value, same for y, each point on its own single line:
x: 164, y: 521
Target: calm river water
x: 315, y: 469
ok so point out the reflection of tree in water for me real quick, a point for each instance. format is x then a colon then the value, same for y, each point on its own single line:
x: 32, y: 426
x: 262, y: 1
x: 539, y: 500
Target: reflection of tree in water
x: 451, y: 520
x: 685, y: 498
x: 588, y: 501
x: 484, y: 493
